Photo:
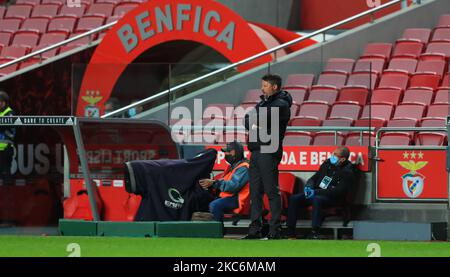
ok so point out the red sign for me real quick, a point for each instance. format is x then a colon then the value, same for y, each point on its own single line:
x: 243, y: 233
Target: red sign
x: 412, y: 174
x: 304, y: 158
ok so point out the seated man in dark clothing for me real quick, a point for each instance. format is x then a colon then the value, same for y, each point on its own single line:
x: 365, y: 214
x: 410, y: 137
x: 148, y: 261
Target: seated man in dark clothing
x: 326, y: 188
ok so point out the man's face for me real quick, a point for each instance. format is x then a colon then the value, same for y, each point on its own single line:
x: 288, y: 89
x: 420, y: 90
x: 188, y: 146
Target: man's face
x: 268, y: 89
x: 338, y: 154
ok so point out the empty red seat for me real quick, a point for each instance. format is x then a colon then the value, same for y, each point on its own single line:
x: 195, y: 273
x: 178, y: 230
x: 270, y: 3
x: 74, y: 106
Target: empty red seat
x: 5, y: 38
x: 382, y: 50
x: 339, y: 64
x: 328, y: 138
x: 9, y: 69
x: 403, y: 64
x: 45, y: 10
x: 439, y: 48
x: 297, y: 139
x: 299, y: 80
x: 21, y: 11
x: 374, y: 122
x: 122, y: 8
x: 338, y: 122
x: 433, y: 122
x: 345, y: 110
x: 395, y: 139
x: 87, y: 23
x: 431, y: 139
x: 253, y: 96
x: 441, y: 96
x: 413, y: 111
x: 425, y: 79
x: 314, y: 110
x: 26, y: 38
x: 434, y: 66
x: 438, y: 110
x: 10, y: 24
x: 35, y: 24
x: 102, y: 9
x: 357, y: 139
x: 61, y: 2
x: 403, y: 122
x: 389, y: 96
x: 294, y: 109
x: 354, y: 94
x: 365, y: 79
x: 418, y: 95
x: 334, y: 79
x: 2, y: 11
x: 380, y: 111
x: 14, y: 52
x: 298, y: 94
x: 49, y: 39
x: 73, y: 11
x: 370, y: 65
x: 301, y: 121
x: 30, y: 2
x: 441, y: 34
x: 445, y: 83
x: 444, y: 20
x: 62, y: 23
x: 324, y: 94
x: 397, y: 79
x: 408, y: 49
x: 420, y: 34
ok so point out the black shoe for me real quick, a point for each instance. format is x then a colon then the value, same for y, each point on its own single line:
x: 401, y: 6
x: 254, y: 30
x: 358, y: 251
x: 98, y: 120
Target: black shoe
x: 314, y: 235
x: 252, y: 236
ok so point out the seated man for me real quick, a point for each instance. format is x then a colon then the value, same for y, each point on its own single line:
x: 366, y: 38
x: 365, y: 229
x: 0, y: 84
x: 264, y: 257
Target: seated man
x: 326, y: 188
x: 233, y: 186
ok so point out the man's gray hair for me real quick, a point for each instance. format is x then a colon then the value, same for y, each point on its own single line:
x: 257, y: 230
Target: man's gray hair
x: 345, y: 152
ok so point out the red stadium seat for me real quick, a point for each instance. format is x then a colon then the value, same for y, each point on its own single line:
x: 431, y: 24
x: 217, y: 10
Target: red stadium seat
x: 374, y: 122
x: 14, y: 52
x: 39, y: 24
x: 323, y: 94
x: 253, y: 96
x: 73, y: 11
x: 301, y: 121
x: 379, y: 111
x: 376, y: 65
x: 395, y: 139
x: 418, y: 95
x: 442, y: 96
x: 433, y: 122
x: 441, y: 34
x: 389, y: 96
x: 438, y: 110
x: 357, y: 95
x: 412, y: 111
x: 314, y: 110
x: 425, y: 79
x: 431, y: 139
x: 10, y: 24
x: 403, y: 64
x: 62, y: 23
x: 445, y: 83
x: 298, y: 94
x: 356, y: 139
x: 396, y: 79
x: 433, y: 66
x: 2, y: 11
x: 403, y: 122
x: 328, y: 138
x: 365, y: 79
x: 408, y: 49
x: 299, y: 80
x: 338, y: 122
x: 20, y: 11
x: 382, y: 50
x: 87, y: 23
x: 334, y: 79
x: 49, y: 39
x: 340, y: 65
x: 45, y: 10
x: 9, y: 69
x: 345, y: 110
x: 5, y: 38
x: 421, y: 34
x: 444, y: 20
x: 103, y: 9
x: 30, y: 2
x: 439, y: 48
x: 122, y: 8
x: 26, y: 38
x: 297, y: 139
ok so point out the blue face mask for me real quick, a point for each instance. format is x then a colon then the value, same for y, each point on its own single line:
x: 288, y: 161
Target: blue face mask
x: 132, y: 112
x: 334, y: 159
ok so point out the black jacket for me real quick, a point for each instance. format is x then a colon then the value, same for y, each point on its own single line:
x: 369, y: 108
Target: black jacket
x: 7, y: 132
x: 283, y: 101
x: 343, y: 177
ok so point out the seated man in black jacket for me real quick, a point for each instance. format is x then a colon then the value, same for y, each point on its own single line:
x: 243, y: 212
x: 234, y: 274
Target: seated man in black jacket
x: 326, y: 188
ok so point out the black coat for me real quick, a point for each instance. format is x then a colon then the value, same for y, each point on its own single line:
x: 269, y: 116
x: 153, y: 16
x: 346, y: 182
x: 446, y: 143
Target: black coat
x: 343, y: 179
x: 281, y: 100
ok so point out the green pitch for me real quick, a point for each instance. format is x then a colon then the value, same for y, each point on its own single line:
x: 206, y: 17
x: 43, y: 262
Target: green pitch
x: 48, y: 246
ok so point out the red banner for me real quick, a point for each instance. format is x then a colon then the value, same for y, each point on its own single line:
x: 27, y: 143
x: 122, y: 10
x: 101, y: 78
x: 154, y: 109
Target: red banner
x: 304, y: 158
x: 412, y: 174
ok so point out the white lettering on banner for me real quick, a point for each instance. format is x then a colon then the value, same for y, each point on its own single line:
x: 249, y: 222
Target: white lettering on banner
x: 303, y: 160
x: 165, y: 23
x: 117, y: 157
x: 36, y: 158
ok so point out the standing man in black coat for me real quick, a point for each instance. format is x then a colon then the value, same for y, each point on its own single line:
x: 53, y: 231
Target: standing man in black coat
x: 7, y: 135
x: 326, y: 188
x: 267, y: 125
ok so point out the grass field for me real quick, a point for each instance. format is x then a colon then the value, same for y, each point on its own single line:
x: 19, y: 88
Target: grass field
x: 53, y: 246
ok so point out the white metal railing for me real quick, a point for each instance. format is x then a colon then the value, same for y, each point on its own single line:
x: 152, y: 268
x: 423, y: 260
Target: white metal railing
x: 252, y: 58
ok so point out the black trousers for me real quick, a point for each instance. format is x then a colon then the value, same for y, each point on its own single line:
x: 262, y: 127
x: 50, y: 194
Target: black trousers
x: 6, y: 157
x: 264, y: 179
